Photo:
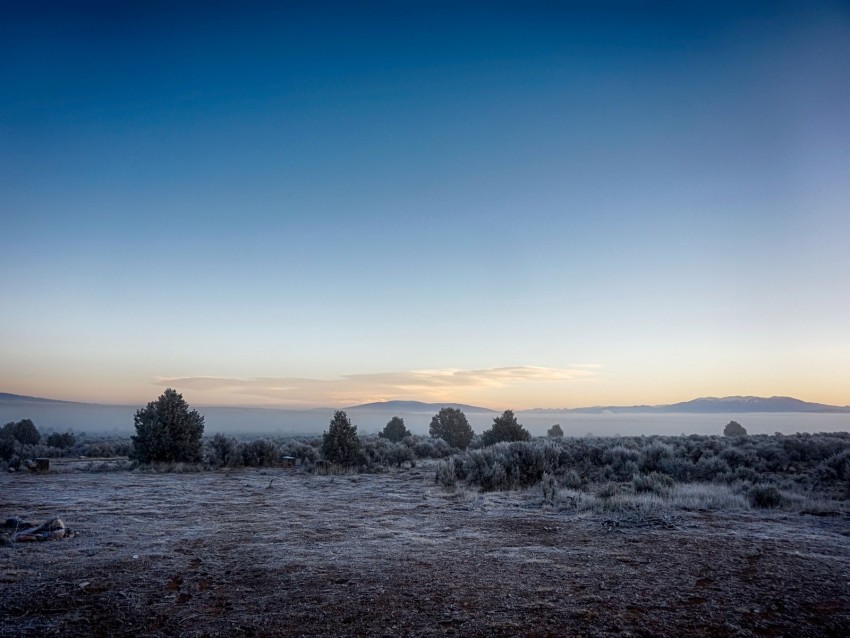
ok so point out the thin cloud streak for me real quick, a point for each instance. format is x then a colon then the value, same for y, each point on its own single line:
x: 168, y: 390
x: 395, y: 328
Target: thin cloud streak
x: 426, y: 385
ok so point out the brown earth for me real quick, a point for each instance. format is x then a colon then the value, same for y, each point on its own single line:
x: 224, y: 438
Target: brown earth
x: 222, y: 554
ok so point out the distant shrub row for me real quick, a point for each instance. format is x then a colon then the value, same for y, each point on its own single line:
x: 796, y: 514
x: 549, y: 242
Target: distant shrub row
x: 373, y: 454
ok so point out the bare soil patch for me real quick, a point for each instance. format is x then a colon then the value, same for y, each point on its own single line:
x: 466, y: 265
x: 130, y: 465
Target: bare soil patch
x: 283, y: 553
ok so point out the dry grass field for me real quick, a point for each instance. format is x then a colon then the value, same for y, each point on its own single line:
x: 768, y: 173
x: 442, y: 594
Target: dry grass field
x: 285, y: 553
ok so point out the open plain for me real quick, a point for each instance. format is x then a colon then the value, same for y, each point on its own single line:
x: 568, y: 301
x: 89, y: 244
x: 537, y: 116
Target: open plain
x: 286, y: 553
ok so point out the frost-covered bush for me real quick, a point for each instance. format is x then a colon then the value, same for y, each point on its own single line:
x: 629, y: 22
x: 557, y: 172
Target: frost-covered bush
x: 507, y: 466
x: 773, y: 457
x: 654, y: 482
x: 222, y: 451
x: 679, y: 469
x: 620, y: 462
x: 379, y: 453
x: 108, y: 448
x: 734, y: 457
x: 431, y: 448
x: 836, y: 466
x: 571, y: 480
x: 652, y: 455
x: 260, y: 453
x: 764, y: 496
x: 655, y: 467
x: 709, y: 468
x: 301, y: 450
x: 446, y: 474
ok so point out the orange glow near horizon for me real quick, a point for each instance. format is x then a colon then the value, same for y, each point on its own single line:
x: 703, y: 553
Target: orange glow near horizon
x: 497, y: 389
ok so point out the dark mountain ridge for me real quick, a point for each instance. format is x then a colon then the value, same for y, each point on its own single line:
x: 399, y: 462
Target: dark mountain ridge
x: 6, y: 396
x: 709, y: 405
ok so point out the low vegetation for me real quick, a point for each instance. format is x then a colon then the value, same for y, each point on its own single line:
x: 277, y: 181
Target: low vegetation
x: 804, y: 471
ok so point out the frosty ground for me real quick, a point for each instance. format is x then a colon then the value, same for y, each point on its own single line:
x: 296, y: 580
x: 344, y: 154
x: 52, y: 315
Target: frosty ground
x: 286, y: 553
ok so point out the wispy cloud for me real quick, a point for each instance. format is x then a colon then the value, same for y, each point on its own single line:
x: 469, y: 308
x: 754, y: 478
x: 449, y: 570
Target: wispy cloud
x: 426, y: 385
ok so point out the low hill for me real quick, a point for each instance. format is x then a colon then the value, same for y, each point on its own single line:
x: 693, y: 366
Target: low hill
x: 415, y: 406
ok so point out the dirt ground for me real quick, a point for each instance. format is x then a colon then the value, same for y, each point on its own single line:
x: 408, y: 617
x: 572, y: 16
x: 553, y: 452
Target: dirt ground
x: 283, y: 553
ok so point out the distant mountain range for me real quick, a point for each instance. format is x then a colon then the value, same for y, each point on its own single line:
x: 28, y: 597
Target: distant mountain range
x: 5, y: 396
x: 710, y: 405
x: 415, y: 406
x: 61, y: 415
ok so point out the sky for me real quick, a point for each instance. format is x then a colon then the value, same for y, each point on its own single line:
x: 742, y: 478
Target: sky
x: 508, y: 204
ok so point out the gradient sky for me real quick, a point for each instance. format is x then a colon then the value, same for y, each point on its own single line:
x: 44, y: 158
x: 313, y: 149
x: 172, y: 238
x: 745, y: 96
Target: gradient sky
x: 512, y: 204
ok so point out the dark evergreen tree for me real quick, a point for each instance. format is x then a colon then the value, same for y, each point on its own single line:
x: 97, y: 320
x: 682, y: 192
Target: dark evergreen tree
x: 505, y: 428
x: 7, y: 447
x: 23, y: 431
x: 394, y: 430
x: 450, y: 424
x: 65, y: 440
x: 733, y: 428
x: 340, y: 443
x: 166, y: 430
x: 555, y: 431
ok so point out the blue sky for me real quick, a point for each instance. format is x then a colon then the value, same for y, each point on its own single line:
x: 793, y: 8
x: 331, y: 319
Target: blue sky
x: 515, y: 204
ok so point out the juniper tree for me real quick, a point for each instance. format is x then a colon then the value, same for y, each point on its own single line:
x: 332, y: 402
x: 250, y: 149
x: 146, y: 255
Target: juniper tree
x: 733, y: 428
x: 23, y: 431
x: 340, y: 443
x: 555, y: 431
x: 505, y: 428
x: 166, y: 430
x: 450, y: 424
x: 394, y: 430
